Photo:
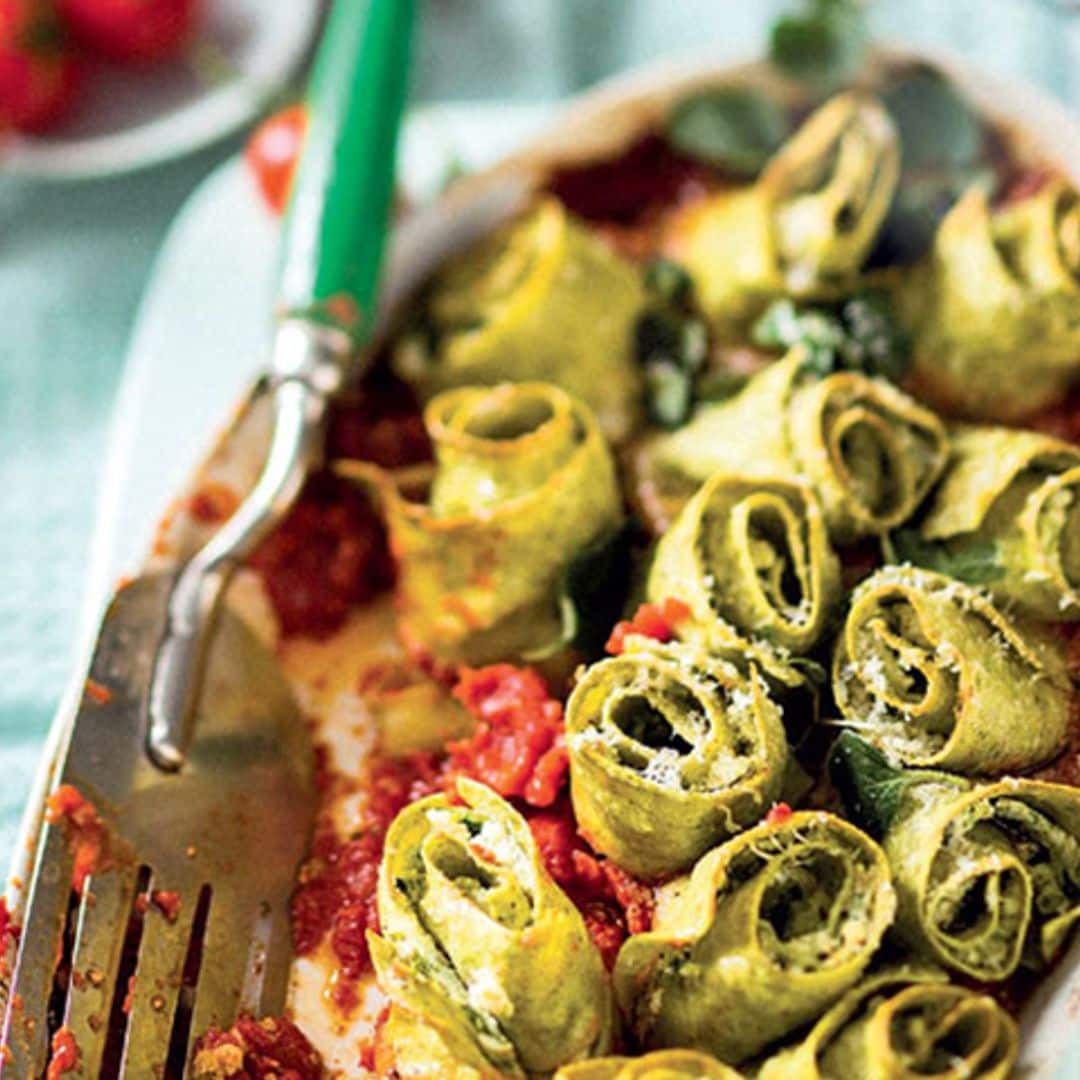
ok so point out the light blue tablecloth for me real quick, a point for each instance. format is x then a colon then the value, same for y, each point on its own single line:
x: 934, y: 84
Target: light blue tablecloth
x: 74, y: 261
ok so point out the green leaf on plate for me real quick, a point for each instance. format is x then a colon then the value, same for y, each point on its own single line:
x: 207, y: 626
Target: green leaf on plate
x: 974, y: 563
x: 870, y: 787
x: 734, y: 128
x: 823, y: 45
x: 938, y: 126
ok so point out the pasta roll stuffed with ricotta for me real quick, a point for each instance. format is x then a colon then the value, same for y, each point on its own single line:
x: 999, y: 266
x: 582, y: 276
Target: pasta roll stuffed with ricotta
x: 1018, y: 494
x: 487, y: 963
x: 542, y: 298
x: 765, y: 933
x: 904, y: 1023
x: 988, y: 876
x: 929, y: 671
x: 807, y: 225
x: 671, y: 751
x: 995, y: 308
x: 523, y: 482
x: 869, y: 451
x: 755, y: 554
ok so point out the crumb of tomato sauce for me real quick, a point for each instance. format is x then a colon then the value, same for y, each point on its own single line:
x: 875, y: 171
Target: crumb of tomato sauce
x: 778, y: 814
x: 269, y: 1049
x: 335, y: 897
x: 85, y: 830
x: 65, y: 1055
x: 656, y: 621
x: 518, y: 747
x: 327, y: 556
x: 97, y: 692
x: 613, y: 903
x: 213, y: 503
x: 168, y: 903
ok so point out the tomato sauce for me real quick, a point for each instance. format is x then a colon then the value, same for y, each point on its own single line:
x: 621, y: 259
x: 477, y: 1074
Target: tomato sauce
x: 329, y: 554
x: 613, y: 904
x: 86, y: 832
x: 518, y: 748
x: 269, y: 1049
x: 656, y: 621
x: 335, y: 897
x: 65, y: 1055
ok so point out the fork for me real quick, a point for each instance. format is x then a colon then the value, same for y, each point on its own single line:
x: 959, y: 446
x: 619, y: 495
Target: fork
x: 159, y: 906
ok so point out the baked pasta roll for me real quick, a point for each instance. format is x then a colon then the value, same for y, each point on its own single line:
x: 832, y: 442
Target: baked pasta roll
x: 869, y: 450
x: 1015, y: 494
x: 904, y: 1023
x: 478, y: 945
x: 523, y: 482
x: 753, y: 553
x: 766, y: 932
x: 930, y: 671
x: 661, y: 1065
x: 995, y: 309
x: 671, y: 751
x: 541, y: 298
x: 807, y: 225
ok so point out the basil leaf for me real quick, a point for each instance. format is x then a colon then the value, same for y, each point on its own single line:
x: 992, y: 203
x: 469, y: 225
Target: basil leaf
x: 734, y: 128
x: 974, y: 563
x: 594, y: 589
x: 870, y: 787
x: 938, y: 127
x: 823, y: 45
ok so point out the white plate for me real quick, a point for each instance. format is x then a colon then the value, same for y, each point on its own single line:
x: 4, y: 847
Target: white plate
x: 127, y: 119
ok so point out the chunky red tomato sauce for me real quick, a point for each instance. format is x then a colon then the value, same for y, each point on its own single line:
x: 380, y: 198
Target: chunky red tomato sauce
x: 65, y: 1055
x: 518, y: 747
x: 330, y: 555
x: 336, y: 892
x: 86, y: 832
x: 270, y: 1049
x: 656, y: 621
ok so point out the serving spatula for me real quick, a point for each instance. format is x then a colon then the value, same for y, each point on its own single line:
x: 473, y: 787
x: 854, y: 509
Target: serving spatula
x: 187, y: 743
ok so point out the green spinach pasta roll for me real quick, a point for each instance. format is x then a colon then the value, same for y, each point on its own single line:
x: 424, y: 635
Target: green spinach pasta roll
x: 523, y: 482
x: 752, y: 553
x: 931, y: 672
x: 904, y: 1024
x: 870, y: 451
x: 987, y: 875
x: 480, y: 951
x: 671, y: 751
x: 1015, y: 494
x: 541, y: 298
x: 661, y: 1065
x: 995, y: 309
x: 806, y: 226
x: 766, y: 932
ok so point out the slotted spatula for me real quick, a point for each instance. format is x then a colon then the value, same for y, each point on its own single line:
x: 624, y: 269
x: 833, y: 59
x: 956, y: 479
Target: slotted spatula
x: 188, y: 742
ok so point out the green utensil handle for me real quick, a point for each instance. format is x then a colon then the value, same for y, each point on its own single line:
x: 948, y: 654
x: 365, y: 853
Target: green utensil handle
x: 336, y: 227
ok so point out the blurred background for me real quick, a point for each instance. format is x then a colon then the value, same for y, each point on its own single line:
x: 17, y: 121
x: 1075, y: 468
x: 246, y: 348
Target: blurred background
x: 75, y: 256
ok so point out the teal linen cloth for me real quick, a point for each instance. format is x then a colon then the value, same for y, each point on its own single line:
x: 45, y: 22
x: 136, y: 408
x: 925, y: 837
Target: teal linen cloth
x: 74, y: 260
